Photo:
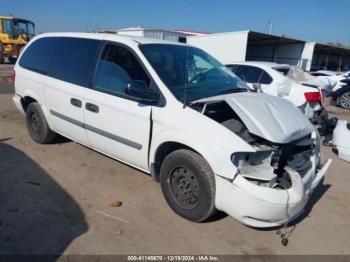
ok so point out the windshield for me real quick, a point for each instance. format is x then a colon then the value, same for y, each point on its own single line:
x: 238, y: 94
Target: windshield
x: 190, y: 68
x: 295, y: 73
x: 23, y: 26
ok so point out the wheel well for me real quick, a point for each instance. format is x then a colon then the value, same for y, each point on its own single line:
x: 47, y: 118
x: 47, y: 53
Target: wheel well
x: 26, y: 101
x: 164, y: 150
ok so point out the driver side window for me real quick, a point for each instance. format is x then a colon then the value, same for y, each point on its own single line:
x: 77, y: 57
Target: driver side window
x: 116, y: 68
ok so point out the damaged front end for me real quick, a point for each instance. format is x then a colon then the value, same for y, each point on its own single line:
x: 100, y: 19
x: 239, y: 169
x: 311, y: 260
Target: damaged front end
x: 272, y: 184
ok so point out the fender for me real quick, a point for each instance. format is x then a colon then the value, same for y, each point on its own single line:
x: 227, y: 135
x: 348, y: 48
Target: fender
x: 217, y: 155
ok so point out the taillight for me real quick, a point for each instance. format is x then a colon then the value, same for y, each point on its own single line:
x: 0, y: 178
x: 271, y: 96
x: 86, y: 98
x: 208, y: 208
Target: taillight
x: 13, y: 77
x: 313, y: 96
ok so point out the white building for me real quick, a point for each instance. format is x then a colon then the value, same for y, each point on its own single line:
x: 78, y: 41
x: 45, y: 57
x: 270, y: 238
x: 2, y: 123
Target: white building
x: 253, y: 46
x: 148, y: 32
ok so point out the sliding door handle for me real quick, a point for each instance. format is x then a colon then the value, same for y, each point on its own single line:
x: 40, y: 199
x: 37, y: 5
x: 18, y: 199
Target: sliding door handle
x: 76, y: 102
x: 92, y: 107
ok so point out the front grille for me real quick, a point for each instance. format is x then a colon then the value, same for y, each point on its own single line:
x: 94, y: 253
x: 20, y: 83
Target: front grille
x: 296, y: 155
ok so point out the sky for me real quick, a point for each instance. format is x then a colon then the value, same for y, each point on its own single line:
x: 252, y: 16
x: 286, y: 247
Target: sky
x: 321, y: 21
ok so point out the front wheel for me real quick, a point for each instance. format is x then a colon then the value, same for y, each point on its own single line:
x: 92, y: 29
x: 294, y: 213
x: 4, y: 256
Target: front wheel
x: 344, y: 100
x: 188, y: 185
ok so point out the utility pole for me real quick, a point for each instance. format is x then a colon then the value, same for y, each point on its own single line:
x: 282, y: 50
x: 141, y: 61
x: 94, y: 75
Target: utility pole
x: 270, y: 26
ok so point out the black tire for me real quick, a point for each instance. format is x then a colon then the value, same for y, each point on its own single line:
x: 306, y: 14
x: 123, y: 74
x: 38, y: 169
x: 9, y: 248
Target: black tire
x: 188, y: 185
x: 37, y: 125
x: 344, y: 100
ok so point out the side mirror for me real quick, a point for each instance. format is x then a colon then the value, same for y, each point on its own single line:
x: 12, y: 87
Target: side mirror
x: 138, y: 89
x: 257, y: 87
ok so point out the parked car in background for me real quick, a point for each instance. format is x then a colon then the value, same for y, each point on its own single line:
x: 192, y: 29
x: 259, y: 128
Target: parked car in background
x: 332, y: 76
x: 175, y: 112
x: 325, y: 73
x: 299, y: 75
x: 341, y: 86
x: 341, y: 95
x: 274, y: 79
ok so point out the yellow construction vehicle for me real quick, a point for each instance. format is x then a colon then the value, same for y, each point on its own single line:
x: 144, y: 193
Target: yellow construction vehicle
x: 15, y: 33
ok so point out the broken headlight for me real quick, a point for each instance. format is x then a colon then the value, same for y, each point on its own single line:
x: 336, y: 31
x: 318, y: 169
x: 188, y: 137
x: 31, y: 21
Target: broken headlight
x: 256, y: 167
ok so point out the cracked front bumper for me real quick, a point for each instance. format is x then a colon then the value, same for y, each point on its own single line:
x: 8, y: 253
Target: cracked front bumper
x: 258, y: 206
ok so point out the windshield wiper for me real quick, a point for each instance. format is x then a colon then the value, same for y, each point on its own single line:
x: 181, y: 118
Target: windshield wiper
x: 233, y: 90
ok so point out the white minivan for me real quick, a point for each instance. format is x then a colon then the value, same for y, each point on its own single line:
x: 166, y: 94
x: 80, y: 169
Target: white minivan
x: 173, y: 111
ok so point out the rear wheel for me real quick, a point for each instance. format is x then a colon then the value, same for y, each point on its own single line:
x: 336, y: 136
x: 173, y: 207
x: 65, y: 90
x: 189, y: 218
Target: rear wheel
x: 344, y: 100
x: 188, y: 185
x: 37, y: 125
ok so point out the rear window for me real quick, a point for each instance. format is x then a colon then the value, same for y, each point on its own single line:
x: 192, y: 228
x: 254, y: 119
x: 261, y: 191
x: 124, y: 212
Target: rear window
x: 37, y: 55
x: 74, y: 60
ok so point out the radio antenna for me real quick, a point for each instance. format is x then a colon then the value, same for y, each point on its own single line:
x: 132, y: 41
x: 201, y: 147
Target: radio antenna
x: 186, y: 76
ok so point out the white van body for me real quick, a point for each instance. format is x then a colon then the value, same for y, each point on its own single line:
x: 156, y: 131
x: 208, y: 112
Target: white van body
x: 136, y: 133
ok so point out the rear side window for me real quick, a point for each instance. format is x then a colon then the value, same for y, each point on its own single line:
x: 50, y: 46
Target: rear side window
x: 74, y: 60
x: 233, y: 68
x: 37, y: 55
x: 249, y: 74
x: 265, y: 78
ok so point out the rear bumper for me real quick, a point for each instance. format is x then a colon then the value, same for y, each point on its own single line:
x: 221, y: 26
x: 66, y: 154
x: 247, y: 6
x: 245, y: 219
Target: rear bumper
x: 17, y: 100
x: 261, y: 207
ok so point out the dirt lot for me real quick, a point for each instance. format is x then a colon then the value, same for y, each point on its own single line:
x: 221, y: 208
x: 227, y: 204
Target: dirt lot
x: 56, y: 199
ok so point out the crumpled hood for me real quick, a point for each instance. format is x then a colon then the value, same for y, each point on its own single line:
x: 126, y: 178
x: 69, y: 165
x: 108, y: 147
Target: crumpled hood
x: 269, y: 117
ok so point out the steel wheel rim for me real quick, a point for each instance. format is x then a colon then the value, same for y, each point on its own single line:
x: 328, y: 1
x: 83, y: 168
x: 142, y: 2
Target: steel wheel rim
x: 184, y: 187
x: 35, y: 123
x: 345, y: 100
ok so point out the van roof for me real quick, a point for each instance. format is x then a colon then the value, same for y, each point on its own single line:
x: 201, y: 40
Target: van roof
x: 110, y: 37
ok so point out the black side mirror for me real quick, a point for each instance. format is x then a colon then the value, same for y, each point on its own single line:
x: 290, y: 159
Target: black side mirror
x: 138, y: 89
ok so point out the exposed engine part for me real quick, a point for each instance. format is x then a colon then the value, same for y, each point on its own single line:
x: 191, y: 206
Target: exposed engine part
x: 239, y: 129
x: 267, y: 166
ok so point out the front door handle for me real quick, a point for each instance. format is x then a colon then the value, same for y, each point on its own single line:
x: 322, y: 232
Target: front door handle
x: 76, y: 102
x: 92, y: 107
